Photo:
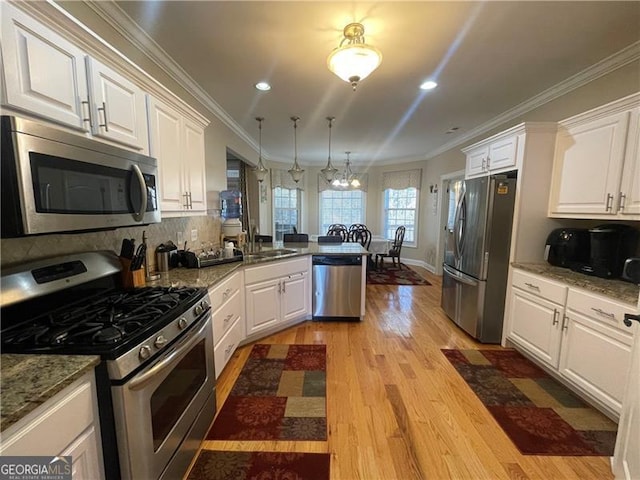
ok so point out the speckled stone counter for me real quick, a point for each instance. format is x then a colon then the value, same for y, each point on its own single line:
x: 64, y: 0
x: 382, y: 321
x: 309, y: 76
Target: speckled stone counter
x: 27, y: 381
x: 616, y: 289
x: 209, y: 276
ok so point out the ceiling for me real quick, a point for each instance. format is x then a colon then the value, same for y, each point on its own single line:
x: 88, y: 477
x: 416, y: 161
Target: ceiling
x: 487, y: 58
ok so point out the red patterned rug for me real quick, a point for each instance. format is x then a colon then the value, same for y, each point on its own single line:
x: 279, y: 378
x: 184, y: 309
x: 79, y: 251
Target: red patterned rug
x: 394, y: 276
x: 217, y: 465
x: 539, y: 415
x: 280, y: 394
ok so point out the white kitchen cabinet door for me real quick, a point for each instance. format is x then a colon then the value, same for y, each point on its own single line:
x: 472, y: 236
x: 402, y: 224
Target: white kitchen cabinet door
x: 44, y: 74
x: 263, y: 305
x: 477, y: 162
x: 166, y: 132
x: 502, y: 154
x: 119, y: 112
x: 596, y: 358
x: 227, y: 345
x: 84, y: 455
x: 588, y: 166
x: 194, y: 166
x: 295, y: 296
x: 536, y: 325
x: 629, y: 198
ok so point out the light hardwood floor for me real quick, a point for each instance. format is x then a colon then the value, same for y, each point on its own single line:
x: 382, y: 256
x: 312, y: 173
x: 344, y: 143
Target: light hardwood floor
x: 396, y: 408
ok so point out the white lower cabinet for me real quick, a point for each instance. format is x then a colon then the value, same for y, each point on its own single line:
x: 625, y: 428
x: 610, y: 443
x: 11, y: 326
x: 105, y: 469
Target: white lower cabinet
x: 227, y: 305
x: 277, y: 293
x: 67, y: 424
x: 576, y: 333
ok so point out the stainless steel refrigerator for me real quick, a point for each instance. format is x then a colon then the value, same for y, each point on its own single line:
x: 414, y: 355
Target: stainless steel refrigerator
x: 476, y: 259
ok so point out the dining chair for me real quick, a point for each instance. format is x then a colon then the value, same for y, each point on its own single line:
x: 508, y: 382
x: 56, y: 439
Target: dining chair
x: 295, y: 238
x: 339, y: 229
x: 329, y: 239
x: 363, y: 237
x: 394, y: 251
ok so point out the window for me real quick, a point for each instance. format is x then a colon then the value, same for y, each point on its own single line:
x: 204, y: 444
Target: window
x: 286, y: 208
x: 400, y: 208
x: 341, y: 206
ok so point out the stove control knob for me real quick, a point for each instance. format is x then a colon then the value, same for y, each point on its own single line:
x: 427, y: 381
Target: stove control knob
x: 198, y: 310
x: 182, y: 323
x: 160, y: 341
x: 204, y: 304
x: 145, y: 352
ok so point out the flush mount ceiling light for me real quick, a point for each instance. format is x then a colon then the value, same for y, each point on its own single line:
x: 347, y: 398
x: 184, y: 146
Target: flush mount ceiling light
x: 329, y: 172
x: 354, y: 61
x: 264, y: 86
x: 260, y: 170
x: 295, y: 171
x: 348, y: 179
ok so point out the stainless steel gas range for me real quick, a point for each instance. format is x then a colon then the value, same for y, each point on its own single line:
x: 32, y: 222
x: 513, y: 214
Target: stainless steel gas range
x: 156, y: 381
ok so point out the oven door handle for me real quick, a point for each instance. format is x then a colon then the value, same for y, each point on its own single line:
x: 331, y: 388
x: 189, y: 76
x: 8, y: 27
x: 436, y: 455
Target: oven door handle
x: 143, y: 193
x: 142, y: 379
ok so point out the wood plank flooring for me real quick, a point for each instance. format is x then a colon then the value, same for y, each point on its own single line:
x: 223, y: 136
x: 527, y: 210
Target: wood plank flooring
x: 396, y: 408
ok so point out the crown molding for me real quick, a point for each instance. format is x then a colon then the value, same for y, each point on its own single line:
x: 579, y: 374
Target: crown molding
x: 113, y: 15
x: 607, y: 65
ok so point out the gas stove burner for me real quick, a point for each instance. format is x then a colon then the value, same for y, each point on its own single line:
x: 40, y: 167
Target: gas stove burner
x: 107, y: 335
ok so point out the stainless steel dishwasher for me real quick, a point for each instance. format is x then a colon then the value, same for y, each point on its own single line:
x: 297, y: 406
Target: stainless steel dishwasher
x: 337, y: 286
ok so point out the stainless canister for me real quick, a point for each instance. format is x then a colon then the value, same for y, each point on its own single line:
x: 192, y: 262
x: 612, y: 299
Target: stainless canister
x: 162, y: 261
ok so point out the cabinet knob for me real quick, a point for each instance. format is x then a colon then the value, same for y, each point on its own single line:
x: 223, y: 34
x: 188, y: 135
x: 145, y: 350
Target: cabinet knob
x: 628, y: 317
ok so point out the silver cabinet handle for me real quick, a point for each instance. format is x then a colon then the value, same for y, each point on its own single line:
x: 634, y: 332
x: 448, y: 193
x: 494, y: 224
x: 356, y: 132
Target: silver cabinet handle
x: 228, y: 350
x: 622, y: 200
x: 279, y: 287
x: 565, y: 322
x: 609, y: 202
x: 488, y: 161
x: 190, y: 202
x: 186, y: 200
x: 227, y: 318
x: 226, y: 293
x: 88, y: 118
x: 603, y: 313
x: 106, y: 121
x: 555, y: 316
x: 284, y: 286
x: 531, y: 285
x: 138, y: 217
x: 484, y: 163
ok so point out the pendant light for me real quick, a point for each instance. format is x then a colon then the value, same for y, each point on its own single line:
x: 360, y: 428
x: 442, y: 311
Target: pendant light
x: 348, y: 179
x: 260, y: 170
x: 329, y: 172
x: 354, y: 61
x: 295, y: 171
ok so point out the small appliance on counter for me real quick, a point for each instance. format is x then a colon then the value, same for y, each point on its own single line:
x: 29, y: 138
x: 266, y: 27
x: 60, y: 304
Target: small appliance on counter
x: 631, y: 270
x: 611, y: 245
x: 567, y: 247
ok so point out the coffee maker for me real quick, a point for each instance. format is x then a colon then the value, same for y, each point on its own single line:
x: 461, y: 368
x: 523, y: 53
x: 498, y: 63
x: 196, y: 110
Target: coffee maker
x: 611, y: 245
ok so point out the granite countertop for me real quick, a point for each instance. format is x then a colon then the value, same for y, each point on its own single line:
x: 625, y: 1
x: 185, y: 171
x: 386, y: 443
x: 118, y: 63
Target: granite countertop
x: 209, y: 276
x: 617, y: 289
x: 27, y: 381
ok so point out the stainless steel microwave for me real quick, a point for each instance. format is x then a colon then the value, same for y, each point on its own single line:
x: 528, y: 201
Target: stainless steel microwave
x: 55, y: 181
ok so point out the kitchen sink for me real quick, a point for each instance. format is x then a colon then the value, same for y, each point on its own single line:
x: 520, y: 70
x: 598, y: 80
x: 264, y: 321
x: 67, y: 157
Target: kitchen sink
x: 270, y: 253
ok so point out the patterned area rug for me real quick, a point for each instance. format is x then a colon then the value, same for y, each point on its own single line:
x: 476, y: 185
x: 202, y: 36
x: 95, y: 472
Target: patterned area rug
x: 280, y: 394
x: 393, y: 276
x: 539, y: 415
x: 217, y: 465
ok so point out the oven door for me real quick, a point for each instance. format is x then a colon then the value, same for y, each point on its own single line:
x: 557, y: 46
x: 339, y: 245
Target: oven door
x: 163, y: 412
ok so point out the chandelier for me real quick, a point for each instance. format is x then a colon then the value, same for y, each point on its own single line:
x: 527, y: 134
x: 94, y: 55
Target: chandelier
x: 356, y: 60
x: 295, y: 171
x: 329, y: 172
x: 348, y: 179
x: 260, y: 170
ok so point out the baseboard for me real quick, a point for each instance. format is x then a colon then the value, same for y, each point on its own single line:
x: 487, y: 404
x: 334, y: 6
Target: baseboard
x: 419, y: 263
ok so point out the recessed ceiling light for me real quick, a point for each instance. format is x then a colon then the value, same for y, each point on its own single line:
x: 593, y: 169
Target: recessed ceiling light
x: 264, y: 86
x: 428, y: 85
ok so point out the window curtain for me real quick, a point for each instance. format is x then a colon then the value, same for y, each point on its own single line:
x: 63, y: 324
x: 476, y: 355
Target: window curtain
x: 324, y: 185
x: 281, y: 178
x: 402, y: 180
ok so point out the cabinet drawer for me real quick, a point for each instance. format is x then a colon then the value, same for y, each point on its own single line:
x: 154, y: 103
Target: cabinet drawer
x: 226, y: 315
x: 227, y: 345
x: 55, y: 424
x: 276, y: 269
x: 223, y: 292
x: 599, y: 308
x: 553, y: 291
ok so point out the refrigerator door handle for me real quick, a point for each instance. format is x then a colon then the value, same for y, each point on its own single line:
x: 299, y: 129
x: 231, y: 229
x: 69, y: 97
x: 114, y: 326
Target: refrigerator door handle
x: 459, y: 222
x: 457, y: 276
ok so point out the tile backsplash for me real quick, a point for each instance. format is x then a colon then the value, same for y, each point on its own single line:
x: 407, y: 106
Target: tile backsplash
x: 20, y: 250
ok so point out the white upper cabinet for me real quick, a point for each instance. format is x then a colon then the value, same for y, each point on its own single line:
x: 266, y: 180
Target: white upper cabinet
x: 178, y: 145
x: 49, y: 77
x: 493, y: 155
x: 44, y: 73
x: 118, y: 107
x: 595, y: 170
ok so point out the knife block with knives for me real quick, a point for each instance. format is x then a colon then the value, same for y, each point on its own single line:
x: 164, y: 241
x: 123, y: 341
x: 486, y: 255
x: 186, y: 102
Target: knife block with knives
x: 132, y: 261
